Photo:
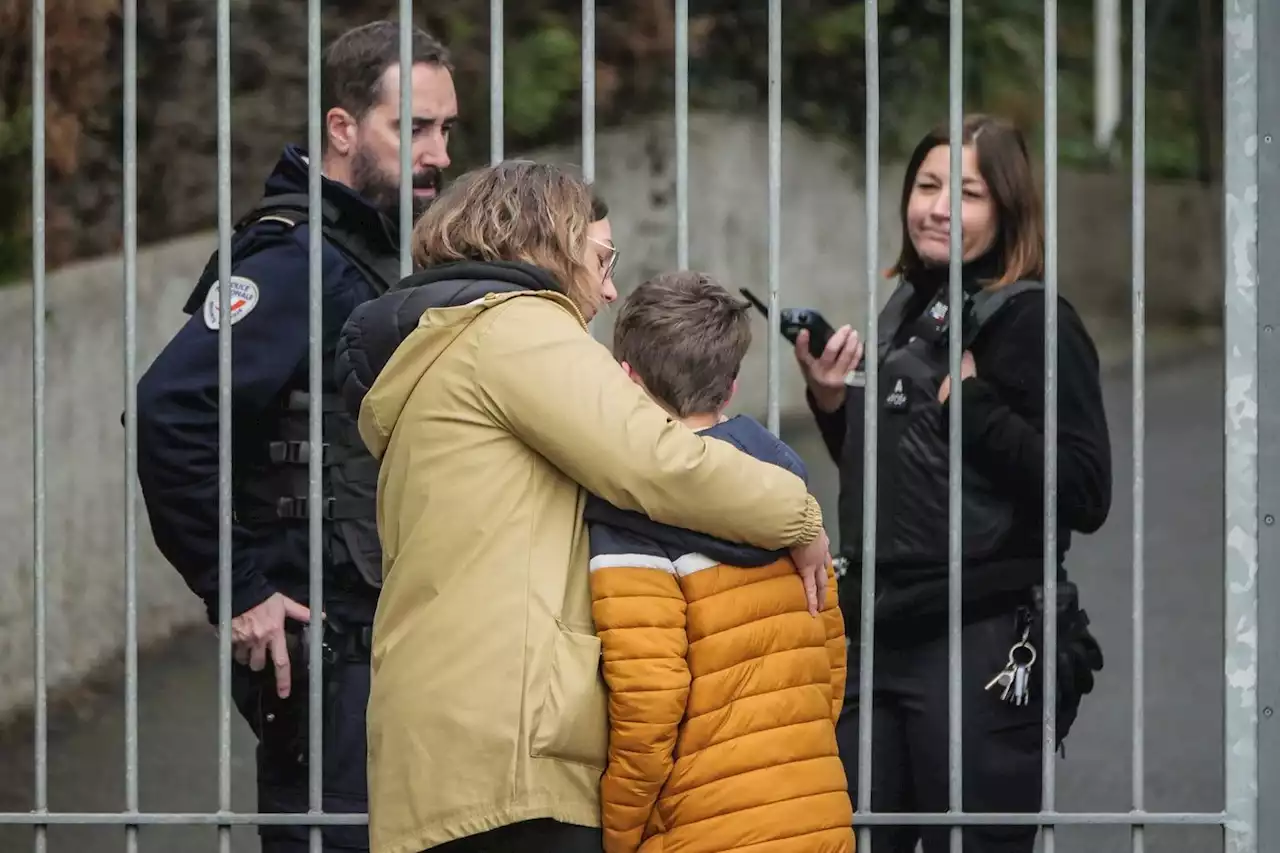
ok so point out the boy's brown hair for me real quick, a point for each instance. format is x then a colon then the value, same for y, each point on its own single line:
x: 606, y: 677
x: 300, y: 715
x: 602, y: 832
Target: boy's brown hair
x: 685, y: 336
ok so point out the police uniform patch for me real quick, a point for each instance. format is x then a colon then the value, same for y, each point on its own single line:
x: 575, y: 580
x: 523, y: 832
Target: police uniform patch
x: 244, y: 298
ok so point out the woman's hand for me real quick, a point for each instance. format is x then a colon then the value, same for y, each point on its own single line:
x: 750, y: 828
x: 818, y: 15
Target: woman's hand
x: 825, y: 375
x: 967, y: 369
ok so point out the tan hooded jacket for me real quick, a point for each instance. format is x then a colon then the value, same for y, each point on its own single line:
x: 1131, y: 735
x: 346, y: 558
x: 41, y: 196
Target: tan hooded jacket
x: 491, y: 419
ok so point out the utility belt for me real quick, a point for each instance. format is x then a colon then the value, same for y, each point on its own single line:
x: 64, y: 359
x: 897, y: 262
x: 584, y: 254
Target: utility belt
x: 1078, y: 651
x: 340, y: 644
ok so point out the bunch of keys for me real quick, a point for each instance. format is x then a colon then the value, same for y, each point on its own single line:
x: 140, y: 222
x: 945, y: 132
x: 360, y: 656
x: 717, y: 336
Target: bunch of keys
x: 1015, y: 678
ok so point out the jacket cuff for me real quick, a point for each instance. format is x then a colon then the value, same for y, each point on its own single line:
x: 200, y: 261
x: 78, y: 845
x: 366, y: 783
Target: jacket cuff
x: 812, y: 525
x: 246, y: 594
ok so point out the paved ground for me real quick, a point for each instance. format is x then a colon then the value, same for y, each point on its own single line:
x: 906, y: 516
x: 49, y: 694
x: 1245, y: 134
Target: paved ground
x: 1183, y: 682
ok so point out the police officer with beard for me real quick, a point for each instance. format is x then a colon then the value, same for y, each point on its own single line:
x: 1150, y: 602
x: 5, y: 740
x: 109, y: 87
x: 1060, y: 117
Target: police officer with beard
x: 178, y: 423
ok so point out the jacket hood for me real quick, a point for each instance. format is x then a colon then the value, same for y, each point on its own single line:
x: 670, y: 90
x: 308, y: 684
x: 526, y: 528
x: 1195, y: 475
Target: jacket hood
x: 396, y: 326
x: 749, y: 436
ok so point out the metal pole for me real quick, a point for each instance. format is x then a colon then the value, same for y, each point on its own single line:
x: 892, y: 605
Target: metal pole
x: 130, y: 202
x: 871, y: 429
x: 682, y: 134
x: 589, y: 107
x: 773, y: 350
x: 224, y: 416
x: 315, y: 494
x: 1268, y: 247
x: 1049, y: 656
x: 955, y: 786
x: 496, y: 121
x: 38, y: 82
x: 589, y: 90
x: 406, y: 132
x: 1240, y: 187
x: 1139, y: 176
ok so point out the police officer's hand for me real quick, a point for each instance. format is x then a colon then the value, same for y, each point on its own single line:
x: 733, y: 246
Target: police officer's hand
x: 825, y: 375
x: 967, y: 369
x: 259, y: 631
x: 811, y: 562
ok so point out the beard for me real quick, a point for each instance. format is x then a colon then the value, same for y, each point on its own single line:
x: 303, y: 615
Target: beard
x: 382, y: 190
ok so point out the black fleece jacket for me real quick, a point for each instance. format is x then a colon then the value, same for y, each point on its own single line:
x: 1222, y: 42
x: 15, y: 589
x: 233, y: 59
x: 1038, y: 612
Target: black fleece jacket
x: 1002, y: 431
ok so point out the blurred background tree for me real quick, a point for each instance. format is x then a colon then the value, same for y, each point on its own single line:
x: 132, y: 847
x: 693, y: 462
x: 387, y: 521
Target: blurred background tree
x: 823, y: 89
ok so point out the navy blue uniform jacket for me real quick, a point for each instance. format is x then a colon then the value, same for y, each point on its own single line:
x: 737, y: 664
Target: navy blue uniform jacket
x: 178, y: 401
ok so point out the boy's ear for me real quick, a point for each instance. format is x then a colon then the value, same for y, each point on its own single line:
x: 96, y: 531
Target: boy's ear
x: 631, y: 373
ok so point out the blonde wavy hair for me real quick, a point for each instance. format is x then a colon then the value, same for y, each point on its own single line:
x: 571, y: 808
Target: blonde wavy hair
x: 516, y: 210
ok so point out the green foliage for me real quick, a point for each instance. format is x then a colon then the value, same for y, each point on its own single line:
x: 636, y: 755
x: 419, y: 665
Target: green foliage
x: 15, y: 188
x: 823, y: 87
x: 542, y: 74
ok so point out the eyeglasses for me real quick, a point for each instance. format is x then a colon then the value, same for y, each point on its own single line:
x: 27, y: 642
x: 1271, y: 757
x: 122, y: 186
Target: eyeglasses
x: 612, y: 260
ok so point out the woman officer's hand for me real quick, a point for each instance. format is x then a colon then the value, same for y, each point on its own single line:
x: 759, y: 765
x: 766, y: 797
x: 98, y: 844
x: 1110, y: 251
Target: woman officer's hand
x: 825, y: 375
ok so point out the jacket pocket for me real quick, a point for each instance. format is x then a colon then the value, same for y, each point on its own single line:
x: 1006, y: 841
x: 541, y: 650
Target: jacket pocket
x: 573, y: 716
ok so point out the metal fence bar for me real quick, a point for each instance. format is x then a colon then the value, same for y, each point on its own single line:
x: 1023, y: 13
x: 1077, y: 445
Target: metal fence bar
x: 774, y: 339
x: 1139, y: 177
x: 130, y: 203
x: 38, y: 81
x: 1268, y: 427
x: 315, y: 492
x: 1240, y: 188
x: 1252, y: 407
x: 871, y: 429
x: 589, y: 108
x: 496, y: 80
x: 358, y: 819
x: 1049, y: 654
x: 955, y: 783
x: 406, y: 132
x: 682, y: 133
x: 223, y: 50
x: 589, y: 90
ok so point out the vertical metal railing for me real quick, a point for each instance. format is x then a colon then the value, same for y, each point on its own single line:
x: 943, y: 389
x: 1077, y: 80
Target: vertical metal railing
x: 1245, y: 513
x: 1139, y: 240
x: 406, y: 134
x: 1049, y: 651
x: 1268, y: 403
x: 130, y: 225
x: 497, y: 124
x: 589, y: 91
x: 315, y: 364
x: 223, y: 51
x: 871, y: 419
x: 1240, y: 188
x: 682, y: 132
x: 955, y: 550
x: 774, y: 217
x: 38, y: 569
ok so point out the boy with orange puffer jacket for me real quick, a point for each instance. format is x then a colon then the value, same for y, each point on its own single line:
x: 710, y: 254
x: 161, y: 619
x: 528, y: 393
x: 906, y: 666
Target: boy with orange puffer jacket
x: 723, y: 688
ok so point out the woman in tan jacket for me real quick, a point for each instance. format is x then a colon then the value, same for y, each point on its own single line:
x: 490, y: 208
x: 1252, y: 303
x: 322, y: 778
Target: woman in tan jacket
x: 494, y: 412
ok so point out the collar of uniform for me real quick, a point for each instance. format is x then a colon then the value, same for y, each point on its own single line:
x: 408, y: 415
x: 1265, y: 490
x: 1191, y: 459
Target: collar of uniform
x: 974, y: 274
x: 292, y: 174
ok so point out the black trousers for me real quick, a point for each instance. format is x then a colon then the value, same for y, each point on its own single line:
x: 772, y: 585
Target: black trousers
x: 282, y: 753
x: 529, y: 836
x: 909, y: 763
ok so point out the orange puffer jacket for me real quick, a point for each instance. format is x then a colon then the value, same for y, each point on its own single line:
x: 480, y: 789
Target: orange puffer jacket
x: 723, y: 695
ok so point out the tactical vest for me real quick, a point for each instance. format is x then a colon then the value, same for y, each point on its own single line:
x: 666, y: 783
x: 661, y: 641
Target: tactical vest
x: 276, y: 491
x: 914, y: 438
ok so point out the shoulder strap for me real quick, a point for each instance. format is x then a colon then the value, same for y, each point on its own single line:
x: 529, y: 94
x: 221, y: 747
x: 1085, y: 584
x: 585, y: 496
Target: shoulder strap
x: 892, y: 316
x: 987, y: 303
x: 290, y: 210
